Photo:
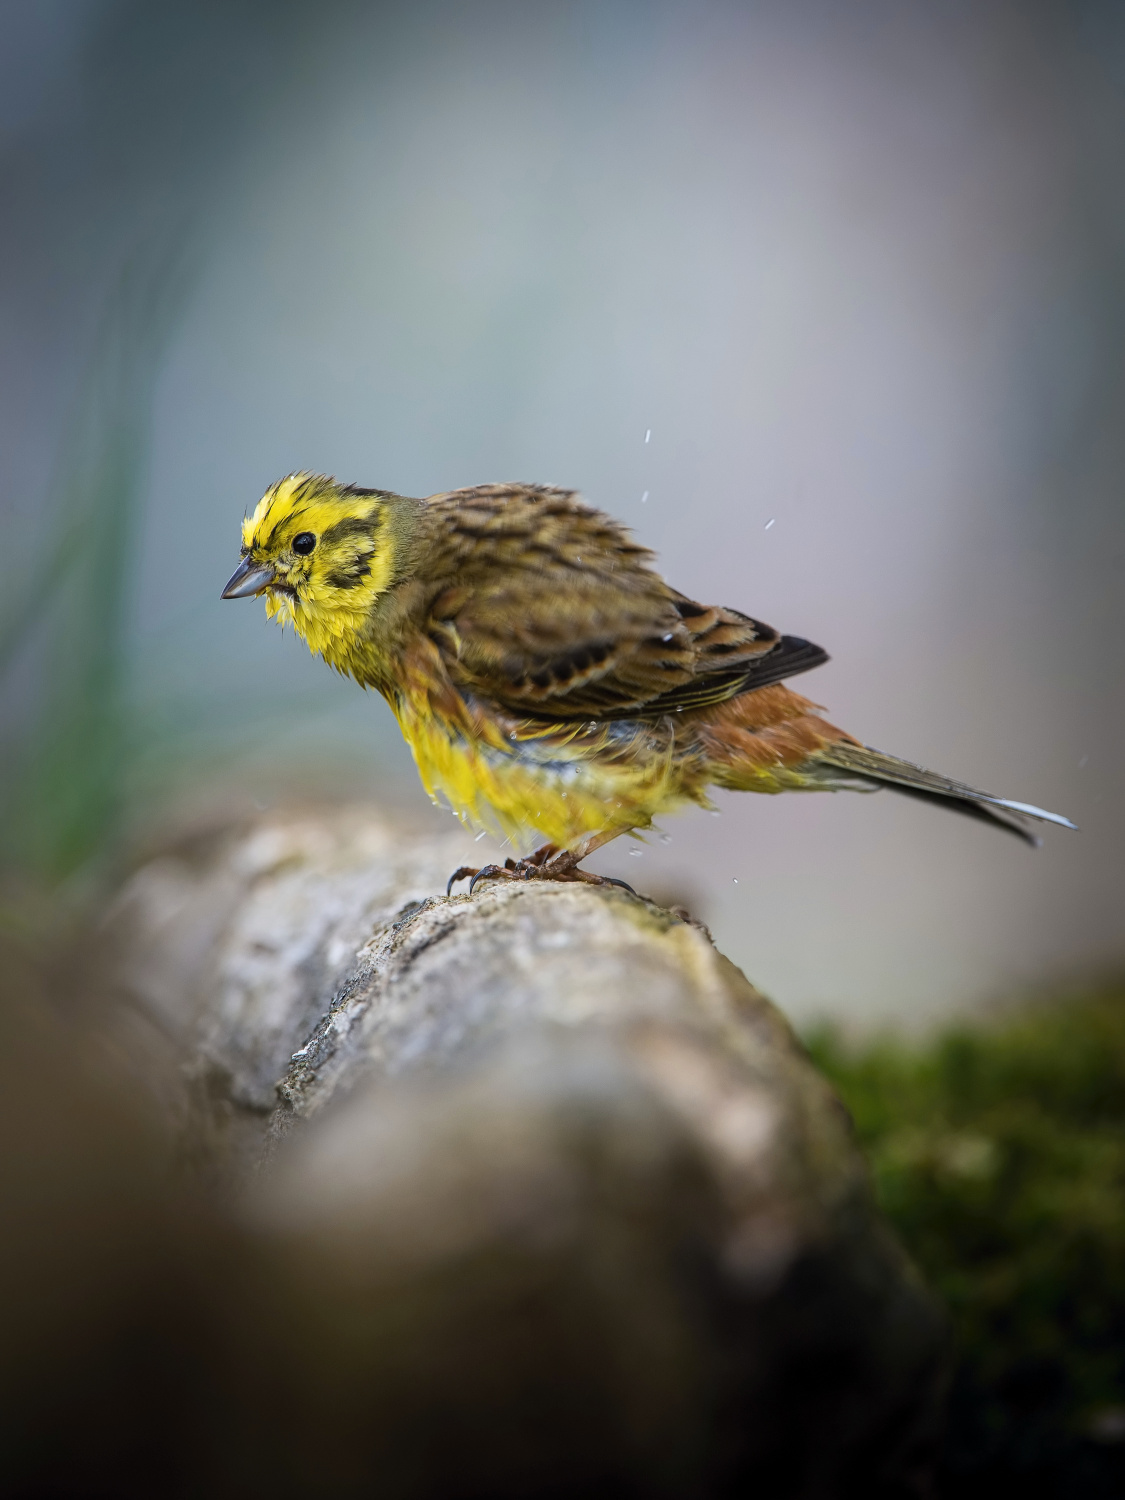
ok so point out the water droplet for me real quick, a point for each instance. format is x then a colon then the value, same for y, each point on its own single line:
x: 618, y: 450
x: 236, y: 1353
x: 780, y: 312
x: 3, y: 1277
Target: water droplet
x: 479, y: 837
x: 769, y: 524
x: 1083, y: 761
x: 667, y: 637
x: 715, y: 812
x: 665, y: 838
x: 736, y: 880
x: 648, y: 433
x: 636, y: 853
x: 644, y: 497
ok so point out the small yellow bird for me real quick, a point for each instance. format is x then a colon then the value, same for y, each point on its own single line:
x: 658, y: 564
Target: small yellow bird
x: 552, y: 687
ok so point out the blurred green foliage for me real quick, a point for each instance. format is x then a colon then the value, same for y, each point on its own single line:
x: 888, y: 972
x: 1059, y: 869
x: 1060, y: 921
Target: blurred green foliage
x: 999, y: 1154
x: 61, y: 799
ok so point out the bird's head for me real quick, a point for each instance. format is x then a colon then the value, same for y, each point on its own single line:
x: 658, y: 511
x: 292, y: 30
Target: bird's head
x: 321, y: 553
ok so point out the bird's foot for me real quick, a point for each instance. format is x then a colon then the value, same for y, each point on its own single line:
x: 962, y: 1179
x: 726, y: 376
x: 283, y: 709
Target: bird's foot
x: 547, y: 863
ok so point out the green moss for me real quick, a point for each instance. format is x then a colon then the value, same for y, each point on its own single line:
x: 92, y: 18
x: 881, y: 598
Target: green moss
x: 999, y: 1154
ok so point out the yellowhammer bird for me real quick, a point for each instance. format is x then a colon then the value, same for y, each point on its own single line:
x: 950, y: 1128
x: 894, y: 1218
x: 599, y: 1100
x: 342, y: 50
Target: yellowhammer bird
x: 552, y: 686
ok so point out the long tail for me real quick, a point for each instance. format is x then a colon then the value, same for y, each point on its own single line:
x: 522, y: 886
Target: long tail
x: 871, y: 768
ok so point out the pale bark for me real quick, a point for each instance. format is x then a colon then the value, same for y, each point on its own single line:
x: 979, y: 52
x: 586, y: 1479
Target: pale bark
x: 554, y: 1196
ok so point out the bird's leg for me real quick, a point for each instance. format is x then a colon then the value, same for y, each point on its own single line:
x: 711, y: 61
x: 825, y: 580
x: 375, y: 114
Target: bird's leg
x: 549, y: 862
x: 509, y: 870
x: 530, y: 868
x: 563, y: 863
x: 564, y: 866
x: 541, y: 855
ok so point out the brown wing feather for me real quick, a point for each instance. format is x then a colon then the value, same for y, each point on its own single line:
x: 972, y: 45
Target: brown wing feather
x: 550, y: 609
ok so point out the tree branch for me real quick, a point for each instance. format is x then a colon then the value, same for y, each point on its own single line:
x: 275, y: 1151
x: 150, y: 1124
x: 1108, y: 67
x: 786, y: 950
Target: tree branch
x: 554, y: 1196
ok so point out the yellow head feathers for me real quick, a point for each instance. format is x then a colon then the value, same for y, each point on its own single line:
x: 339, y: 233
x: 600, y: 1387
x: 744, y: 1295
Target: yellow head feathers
x: 321, y: 552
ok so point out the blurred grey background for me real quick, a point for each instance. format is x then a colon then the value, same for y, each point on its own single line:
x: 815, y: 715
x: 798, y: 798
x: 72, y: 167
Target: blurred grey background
x: 859, y: 270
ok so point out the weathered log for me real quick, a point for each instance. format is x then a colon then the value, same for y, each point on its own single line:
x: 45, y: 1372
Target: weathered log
x: 542, y: 1196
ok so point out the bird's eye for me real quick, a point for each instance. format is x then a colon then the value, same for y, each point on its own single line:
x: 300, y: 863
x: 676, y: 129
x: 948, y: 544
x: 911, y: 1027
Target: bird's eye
x: 304, y: 543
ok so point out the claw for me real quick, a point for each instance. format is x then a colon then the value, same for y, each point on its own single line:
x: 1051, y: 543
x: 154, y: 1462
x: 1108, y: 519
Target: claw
x: 488, y: 872
x: 547, y: 863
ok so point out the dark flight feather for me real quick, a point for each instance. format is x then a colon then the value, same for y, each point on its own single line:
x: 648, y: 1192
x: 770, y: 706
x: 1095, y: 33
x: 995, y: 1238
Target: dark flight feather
x: 875, y: 768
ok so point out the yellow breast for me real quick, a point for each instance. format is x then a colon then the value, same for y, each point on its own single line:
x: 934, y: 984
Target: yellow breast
x: 562, y: 786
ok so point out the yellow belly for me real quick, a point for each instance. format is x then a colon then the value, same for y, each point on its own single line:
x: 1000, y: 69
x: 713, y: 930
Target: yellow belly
x: 574, y: 788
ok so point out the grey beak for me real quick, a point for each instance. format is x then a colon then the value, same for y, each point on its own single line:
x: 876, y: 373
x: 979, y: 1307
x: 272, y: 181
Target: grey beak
x: 248, y: 578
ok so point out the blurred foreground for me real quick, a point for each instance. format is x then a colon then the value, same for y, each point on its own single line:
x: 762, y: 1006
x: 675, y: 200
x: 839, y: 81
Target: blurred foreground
x: 519, y: 1269
x: 528, y: 1194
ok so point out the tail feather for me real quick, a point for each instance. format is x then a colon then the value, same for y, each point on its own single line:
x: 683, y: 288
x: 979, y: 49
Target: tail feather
x: 860, y: 764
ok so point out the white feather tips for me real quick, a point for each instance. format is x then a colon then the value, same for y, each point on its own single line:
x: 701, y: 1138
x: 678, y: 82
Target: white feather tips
x: 1032, y: 812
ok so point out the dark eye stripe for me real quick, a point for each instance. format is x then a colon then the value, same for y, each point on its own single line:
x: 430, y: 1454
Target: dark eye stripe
x: 351, y: 526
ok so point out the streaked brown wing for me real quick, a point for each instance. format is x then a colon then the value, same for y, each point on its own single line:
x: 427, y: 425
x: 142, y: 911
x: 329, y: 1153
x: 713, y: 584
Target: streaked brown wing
x: 550, y: 609
x: 788, y: 657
